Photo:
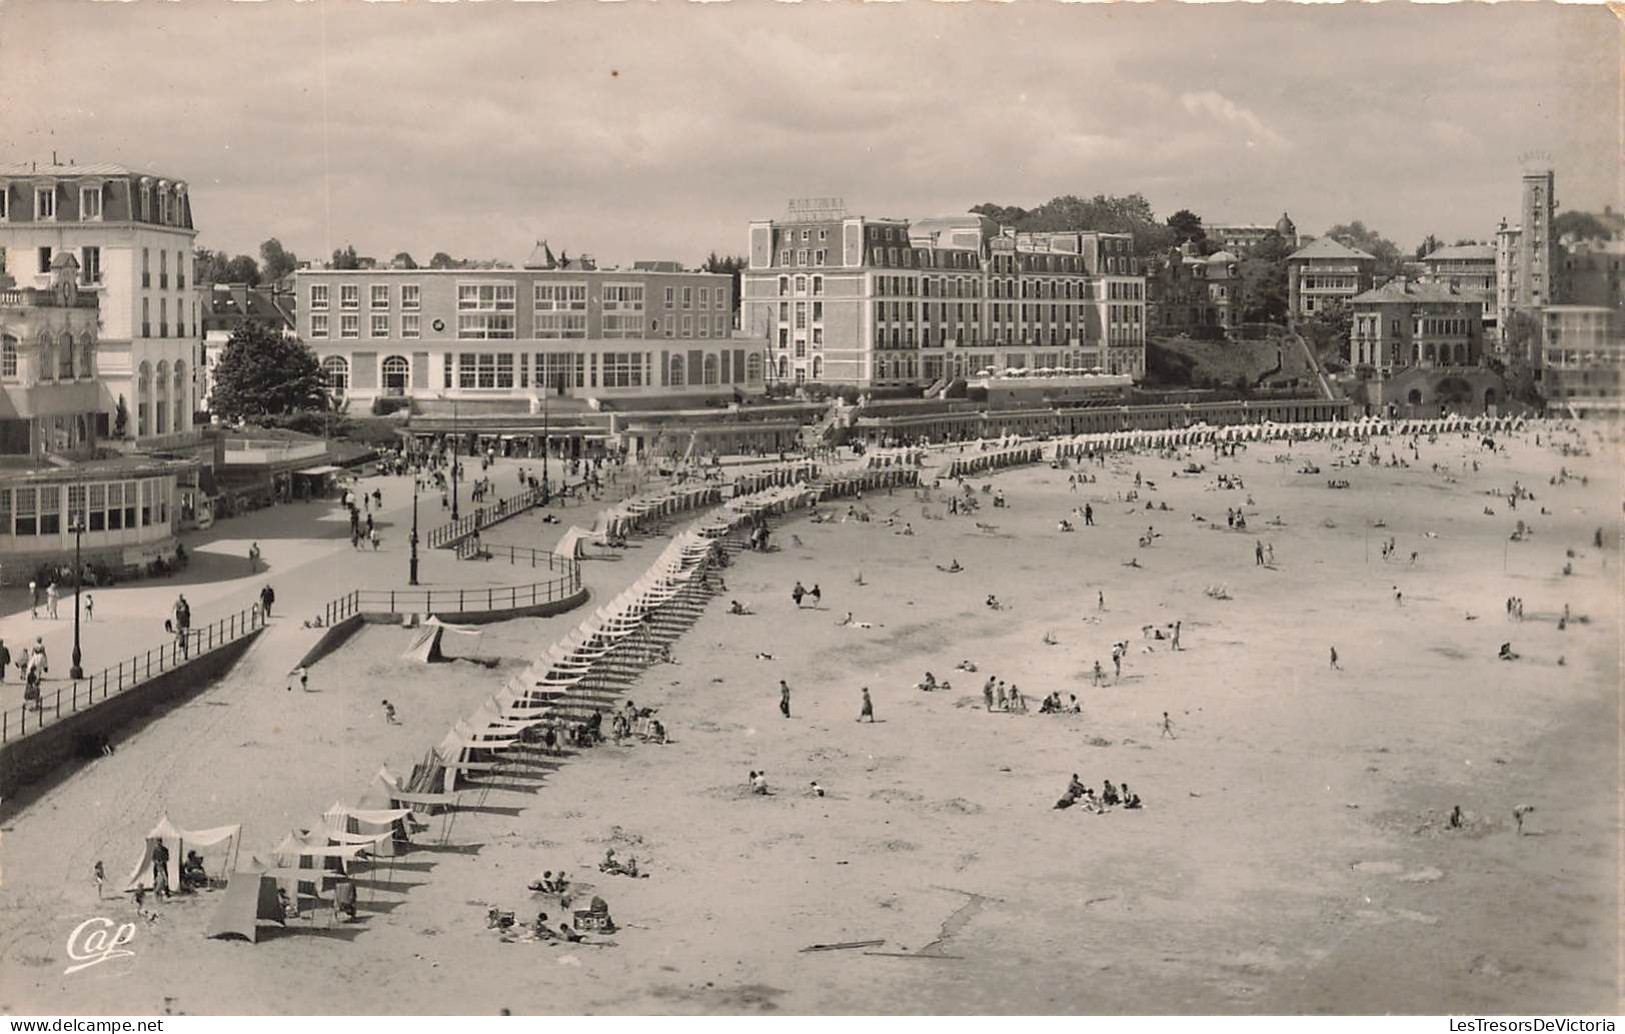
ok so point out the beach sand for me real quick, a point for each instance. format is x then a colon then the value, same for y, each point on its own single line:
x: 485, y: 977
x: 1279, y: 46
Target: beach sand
x: 1293, y: 854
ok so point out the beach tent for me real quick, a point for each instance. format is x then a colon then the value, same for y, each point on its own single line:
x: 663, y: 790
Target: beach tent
x: 249, y: 897
x: 179, y: 841
x: 573, y: 543
x: 425, y: 647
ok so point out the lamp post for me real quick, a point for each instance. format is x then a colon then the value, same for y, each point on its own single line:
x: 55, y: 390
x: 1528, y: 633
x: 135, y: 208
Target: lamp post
x: 456, y: 447
x: 76, y: 671
x: 412, y: 564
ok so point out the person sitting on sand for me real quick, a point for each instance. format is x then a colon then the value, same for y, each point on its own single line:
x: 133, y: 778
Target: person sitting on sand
x: 193, y: 875
x: 1131, y: 801
x: 735, y: 607
x: 993, y: 602
x: 930, y: 683
x: 815, y: 789
x: 758, y: 783
x: 1063, y: 525
x: 1506, y: 653
x: 1108, y: 793
x: 543, y: 883
x: 1074, y: 708
x: 570, y: 935
x: 657, y: 731
x: 540, y: 928
x: 965, y: 666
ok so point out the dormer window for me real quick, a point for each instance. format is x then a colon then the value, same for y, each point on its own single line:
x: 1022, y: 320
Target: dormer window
x: 45, y: 203
x: 163, y: 207
x: 90, y: 203
x: 146, y: 202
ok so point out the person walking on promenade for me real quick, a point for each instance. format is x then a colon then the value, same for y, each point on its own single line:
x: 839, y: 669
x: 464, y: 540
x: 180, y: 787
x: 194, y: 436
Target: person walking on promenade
x: 868, y: 710
x: 1334, y: 660
x: 51, y: 597
x: 267, y: 597
x: 784, y: 698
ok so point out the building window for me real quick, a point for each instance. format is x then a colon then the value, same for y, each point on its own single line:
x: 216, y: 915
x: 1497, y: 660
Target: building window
x: 349, y: 325
x: 90, y: 203
x: 688, y: 297
x: 318, y: 297
x: 318, y: 324
x: 622, y: 370
x: 688, y: 325
x: 337, y: 372
x: 379, y: 296
x: 380, y: 326
x: 349, y: 296
x: 623, y: 310
x: 397, y: 375
x: 411, y: 297
x: 710, y: 368
x: 180, y: 271
x: 722, y: 326
x: 8, y: 358
x: 410, y: 327
x: 90, y: 265
x: 45, y: 259
x: 485, y: 326
x: 485, y: 297
x: 163, y: 207
x: 3, y: 215
x: 671, y: 293
x: 45, y: 203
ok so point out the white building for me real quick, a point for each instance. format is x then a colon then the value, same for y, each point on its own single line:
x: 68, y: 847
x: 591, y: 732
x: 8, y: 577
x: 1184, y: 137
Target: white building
x: 132, y: 235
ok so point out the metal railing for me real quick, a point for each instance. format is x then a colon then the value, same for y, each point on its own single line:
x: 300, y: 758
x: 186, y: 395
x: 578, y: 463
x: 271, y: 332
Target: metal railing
x: 484, y: 517
x: 476, y: 599
x: 81, y: 694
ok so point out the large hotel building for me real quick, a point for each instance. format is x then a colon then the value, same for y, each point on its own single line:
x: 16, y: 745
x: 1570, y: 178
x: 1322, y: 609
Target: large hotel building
x: 839, y: 299
x: 521, y: 334
x: 131, y: 235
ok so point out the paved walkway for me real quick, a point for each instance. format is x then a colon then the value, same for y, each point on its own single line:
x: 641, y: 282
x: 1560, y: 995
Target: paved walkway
x: 305, y: 556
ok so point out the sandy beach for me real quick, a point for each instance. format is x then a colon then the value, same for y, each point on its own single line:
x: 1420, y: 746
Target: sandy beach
x: 1294, y: 853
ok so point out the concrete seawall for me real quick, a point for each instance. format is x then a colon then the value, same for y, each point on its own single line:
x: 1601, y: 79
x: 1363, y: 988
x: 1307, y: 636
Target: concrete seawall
x: 76, y: 736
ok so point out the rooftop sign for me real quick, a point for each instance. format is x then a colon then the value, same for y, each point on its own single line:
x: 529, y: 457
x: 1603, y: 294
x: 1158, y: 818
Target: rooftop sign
x: 816, y: 209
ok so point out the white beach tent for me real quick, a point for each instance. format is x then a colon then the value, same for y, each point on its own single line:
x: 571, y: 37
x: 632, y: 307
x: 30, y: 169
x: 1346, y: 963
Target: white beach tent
x: 178, y: 842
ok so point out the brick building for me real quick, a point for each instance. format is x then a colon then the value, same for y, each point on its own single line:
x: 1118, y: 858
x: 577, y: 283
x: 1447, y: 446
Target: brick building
x: 504, y: 335
x: 1194, y: 294
x: 844, y: 299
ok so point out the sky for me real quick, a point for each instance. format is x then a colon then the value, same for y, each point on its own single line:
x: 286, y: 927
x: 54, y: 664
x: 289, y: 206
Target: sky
x: 650, y: 130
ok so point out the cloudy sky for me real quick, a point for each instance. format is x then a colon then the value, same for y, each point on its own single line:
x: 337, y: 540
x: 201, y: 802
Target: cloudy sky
x: 657, y: 130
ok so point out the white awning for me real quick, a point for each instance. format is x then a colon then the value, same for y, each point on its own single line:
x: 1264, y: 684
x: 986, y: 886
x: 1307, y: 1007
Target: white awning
x: 325, y: 469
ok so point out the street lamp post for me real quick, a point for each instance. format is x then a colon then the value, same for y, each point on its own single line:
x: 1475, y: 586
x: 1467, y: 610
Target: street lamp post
x: 76, y: 671
x: 456, y: 447
x: 412, y: 565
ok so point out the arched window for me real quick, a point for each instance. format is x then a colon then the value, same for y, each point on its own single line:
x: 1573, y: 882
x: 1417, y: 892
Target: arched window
x: 87, y: 368
x: 337, y: 372
x: 160, y: 423
x: 753, y: 368
x: 709, y: 365
x: 1415, y: 397
x: 64, y: 357
x: 180, y: 419
x: 143, y: 398
x: 1427, y: 353
x: 397, y: 375
x: 818, y: 367
x: 8, y: 358
x: 677, y: 371
x: 47, y: 353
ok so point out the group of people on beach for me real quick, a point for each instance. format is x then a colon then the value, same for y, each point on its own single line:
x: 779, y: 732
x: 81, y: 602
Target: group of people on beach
x: 1109, y: 797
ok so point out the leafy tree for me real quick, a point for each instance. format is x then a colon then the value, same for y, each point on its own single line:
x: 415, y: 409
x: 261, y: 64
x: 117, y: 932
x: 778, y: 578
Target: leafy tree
x: 1112, y: 214
x: 441, y: 260
x: 241, y: 270
x: 730, y: 264
x: 209, y: 267
x: 1580, y: 226
x: 1356, y: 235
x: 1429, y: 245
x: 276, y: 261
x: 1264, y: 281
x: 121, y: 418
x: 1187, y: 225
x: 263, y: 373
x: 346, y: 258
x: 404, y: 260
x: 1328, y: 329
x: 1468, y: 240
